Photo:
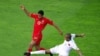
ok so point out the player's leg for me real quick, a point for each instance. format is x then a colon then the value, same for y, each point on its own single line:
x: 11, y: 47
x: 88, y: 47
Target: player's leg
x: 52, y: 51
x: 55, y: 50
x: 42, y: 52
x: 48, y: 52
x: 37, y: 47
x: 31, y: 45
x: 40, y: 38
x: 38, y: 42
x: 39, y: 52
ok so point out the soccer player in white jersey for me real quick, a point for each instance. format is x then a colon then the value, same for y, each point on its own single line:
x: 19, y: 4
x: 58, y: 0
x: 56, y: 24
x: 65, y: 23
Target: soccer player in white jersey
x: 64, y: 48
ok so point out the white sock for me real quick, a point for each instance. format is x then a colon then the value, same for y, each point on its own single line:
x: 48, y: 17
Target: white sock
x: 38, y: 52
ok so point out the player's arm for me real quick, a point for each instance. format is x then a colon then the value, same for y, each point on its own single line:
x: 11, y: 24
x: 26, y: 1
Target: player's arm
x: 74, y: 46
x: 79, y: 52
x: 61, y: 33
x: 80, y: 35
x: 25, y: 10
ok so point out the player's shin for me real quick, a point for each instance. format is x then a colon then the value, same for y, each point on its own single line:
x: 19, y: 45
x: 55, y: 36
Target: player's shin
x: 38, y: 52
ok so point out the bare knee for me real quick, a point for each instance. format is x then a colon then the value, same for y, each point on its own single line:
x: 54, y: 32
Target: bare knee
x: 47, y: 52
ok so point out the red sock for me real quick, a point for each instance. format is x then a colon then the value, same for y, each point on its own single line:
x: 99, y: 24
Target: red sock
x: 42, y: 49
x: 30, y: 49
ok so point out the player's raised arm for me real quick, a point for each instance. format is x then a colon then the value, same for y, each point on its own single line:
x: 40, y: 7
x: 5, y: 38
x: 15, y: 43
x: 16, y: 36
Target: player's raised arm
x: 80, y: 35
x: 61, y: 33
x: 25, y: 10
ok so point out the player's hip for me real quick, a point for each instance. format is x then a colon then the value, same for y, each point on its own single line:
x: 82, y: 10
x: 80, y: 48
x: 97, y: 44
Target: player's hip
x: 37, y: 35
x: 37, y: 39
x: 60, y: 49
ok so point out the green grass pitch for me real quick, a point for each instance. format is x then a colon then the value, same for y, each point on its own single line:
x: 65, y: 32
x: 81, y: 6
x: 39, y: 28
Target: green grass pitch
x: 74, y: 16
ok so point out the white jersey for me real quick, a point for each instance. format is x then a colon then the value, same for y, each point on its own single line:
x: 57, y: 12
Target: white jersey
x: 64, y: 48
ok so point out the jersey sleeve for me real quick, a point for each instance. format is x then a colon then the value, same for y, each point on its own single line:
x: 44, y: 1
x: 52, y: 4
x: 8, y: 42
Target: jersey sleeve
x: 33, y: 15
x: 74, y: 46
x: 73, y: 36
x: 50, y: 22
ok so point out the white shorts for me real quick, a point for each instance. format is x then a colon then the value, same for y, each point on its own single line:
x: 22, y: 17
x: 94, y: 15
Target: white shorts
x: 60, y: 49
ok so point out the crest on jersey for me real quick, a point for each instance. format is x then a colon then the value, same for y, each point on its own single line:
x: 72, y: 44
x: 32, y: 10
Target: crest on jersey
x: 40, y: 22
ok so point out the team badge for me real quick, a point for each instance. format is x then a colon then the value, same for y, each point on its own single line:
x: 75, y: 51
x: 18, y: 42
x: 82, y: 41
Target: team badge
x: 40, y: 22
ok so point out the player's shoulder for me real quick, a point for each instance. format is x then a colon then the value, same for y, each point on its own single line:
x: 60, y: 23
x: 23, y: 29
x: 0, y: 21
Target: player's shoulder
x: 73, y: 35
x: 33, y: 15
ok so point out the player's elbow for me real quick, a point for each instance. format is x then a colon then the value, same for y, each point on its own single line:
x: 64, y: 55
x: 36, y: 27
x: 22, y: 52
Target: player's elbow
x: 28, y: 14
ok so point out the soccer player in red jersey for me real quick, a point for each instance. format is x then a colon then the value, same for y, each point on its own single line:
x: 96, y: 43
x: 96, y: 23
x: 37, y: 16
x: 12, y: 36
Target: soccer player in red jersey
x: 39, y: 25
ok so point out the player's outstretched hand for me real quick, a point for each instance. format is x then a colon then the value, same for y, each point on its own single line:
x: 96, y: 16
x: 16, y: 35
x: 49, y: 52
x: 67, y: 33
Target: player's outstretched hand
x: 22, y: 7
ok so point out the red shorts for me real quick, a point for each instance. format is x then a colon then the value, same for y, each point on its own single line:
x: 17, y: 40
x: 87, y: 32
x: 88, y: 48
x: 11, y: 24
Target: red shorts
x: 37, y: 38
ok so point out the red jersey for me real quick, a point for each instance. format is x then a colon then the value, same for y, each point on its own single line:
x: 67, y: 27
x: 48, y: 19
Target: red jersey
x: 40, y: 24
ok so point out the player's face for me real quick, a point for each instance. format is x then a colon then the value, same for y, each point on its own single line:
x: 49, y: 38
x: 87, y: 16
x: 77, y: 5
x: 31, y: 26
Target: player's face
x: 40, y: 16
x: 67, y: 37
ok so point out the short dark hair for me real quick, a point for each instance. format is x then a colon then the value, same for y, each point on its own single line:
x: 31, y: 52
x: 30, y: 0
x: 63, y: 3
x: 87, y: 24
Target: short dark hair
x: 41, y: 12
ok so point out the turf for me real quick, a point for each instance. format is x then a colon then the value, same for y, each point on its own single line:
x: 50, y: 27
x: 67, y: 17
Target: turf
x: 75, y: 16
